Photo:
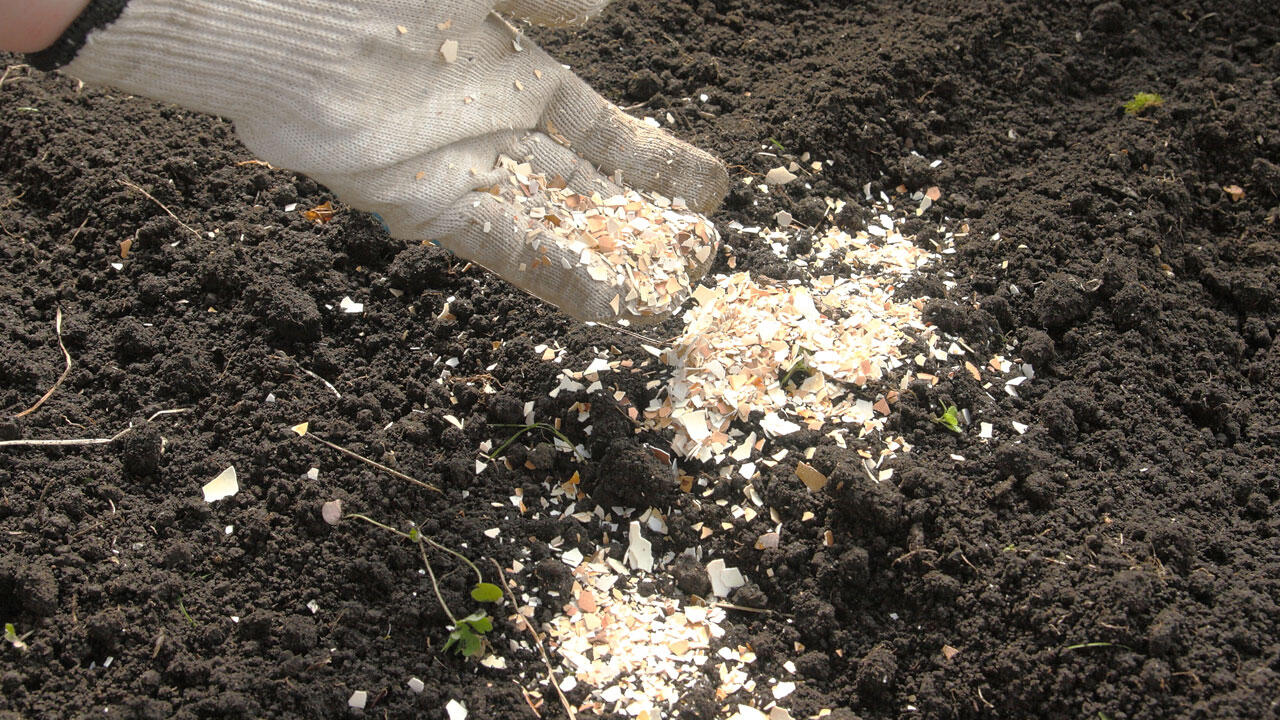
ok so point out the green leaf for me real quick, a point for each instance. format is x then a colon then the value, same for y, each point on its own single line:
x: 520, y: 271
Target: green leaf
x: 468, y: 642
x: 483, y: 625
x: 414, y: 535
x: 486, y: 592
x: 949, y: 419
x: 471, y: 644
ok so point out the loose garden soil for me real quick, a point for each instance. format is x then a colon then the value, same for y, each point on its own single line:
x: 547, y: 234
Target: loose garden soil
x: 1121, y: 559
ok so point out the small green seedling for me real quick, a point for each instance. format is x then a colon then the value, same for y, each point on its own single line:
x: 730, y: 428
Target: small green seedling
x: 182, y: 608
x: 778, y: 145
x: 950, y: 418
x: 11, y: 636
x: 800, y: 369
x: 1142, y: 102
x: 468, y: 632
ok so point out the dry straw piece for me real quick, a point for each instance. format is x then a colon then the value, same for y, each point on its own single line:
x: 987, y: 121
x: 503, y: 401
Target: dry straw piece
x: 649, y: 247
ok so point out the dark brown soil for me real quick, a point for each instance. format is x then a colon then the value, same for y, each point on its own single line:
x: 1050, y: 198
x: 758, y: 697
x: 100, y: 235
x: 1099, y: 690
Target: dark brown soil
x: 1119, y: 560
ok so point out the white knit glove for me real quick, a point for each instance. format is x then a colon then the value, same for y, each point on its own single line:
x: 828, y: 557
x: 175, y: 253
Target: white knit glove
x: 404, y: 108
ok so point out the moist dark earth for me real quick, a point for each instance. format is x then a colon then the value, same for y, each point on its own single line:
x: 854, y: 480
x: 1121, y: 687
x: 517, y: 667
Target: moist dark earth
x: 1118, y: 560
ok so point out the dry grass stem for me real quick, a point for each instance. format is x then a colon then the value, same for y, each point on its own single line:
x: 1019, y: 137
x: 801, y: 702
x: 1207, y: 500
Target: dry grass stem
x: 5, y: 77
x: 163, y: 207
x: 537, y: 639
x: 374, y: 463
x: 57, y: 324
x: 327, y: 384
x: 87, y: 441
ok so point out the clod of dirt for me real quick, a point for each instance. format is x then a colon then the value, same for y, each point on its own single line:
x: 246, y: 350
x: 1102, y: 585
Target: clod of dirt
x: 554, y: 576
x: 1040, y: 489
x: 877, y: 671
x: 1165, y: 635
x: 134, y: 341
x: 855, y: 565
x: 1038, y: 348
x: 608, y: 421
x: 177, y: 555
x: 104, y: 630
x: 28, y: 584
x: 643, y: 84
x: 691, y: 577
x: 1134, y: 306
x: 365, y: 239
x: 1019, y: 460
x: 871, y: 506
x: 1057, y: 418
x: 976, y: 326
x: 542, y: 456
x: 630, y: 476
x: 941, y: 586
x: 504, y: 410
x: 814, y: 664
x: 1108, y: 17
x: 286, y: 310
x: 419, y: 267
x: 1266, y: 177
x: 1060, y: 302
x: 749, y: 595
x: 298, y: 633
x: 140, y: 451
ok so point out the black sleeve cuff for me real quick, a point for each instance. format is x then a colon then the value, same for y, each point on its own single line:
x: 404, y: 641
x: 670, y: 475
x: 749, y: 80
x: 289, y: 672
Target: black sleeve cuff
x: 99, y: 14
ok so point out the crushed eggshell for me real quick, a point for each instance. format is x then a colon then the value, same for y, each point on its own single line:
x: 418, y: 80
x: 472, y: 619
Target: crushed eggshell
x: 637, y: 654
x: 724, y: 580
x: 846, y: 332
x: 647, y: 247
x: 639, y: 551
x: 449, y: 51
x: 779, y: 176
x: 456, y: 710
x: 811, y: 477
x: 332, y: 512
x: 223, y: 486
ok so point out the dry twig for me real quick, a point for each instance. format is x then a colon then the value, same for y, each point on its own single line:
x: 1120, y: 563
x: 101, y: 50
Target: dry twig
x: 5, y: 77
x: 303, y: 432
x: 537, y: 639
x: 150, y: 197
x: 87, y: 441
x: 57, y: 325
x: 327, y: 384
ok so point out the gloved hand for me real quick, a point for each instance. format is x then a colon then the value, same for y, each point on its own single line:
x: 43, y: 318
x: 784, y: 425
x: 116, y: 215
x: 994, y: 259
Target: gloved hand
x: 406, y: 108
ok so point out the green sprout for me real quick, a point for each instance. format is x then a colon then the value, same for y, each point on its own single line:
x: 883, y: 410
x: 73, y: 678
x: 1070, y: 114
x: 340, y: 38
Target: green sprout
x: 800, y: 369
x: 11, y: 636
x: 949, y: 419
x: 468, y: 632
x: 778, y: 145
x: 182, y: 608
x: 1142, y: 102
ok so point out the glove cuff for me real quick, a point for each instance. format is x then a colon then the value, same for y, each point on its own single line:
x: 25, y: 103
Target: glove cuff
x: 98, y: 14
x: 220, y: 57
